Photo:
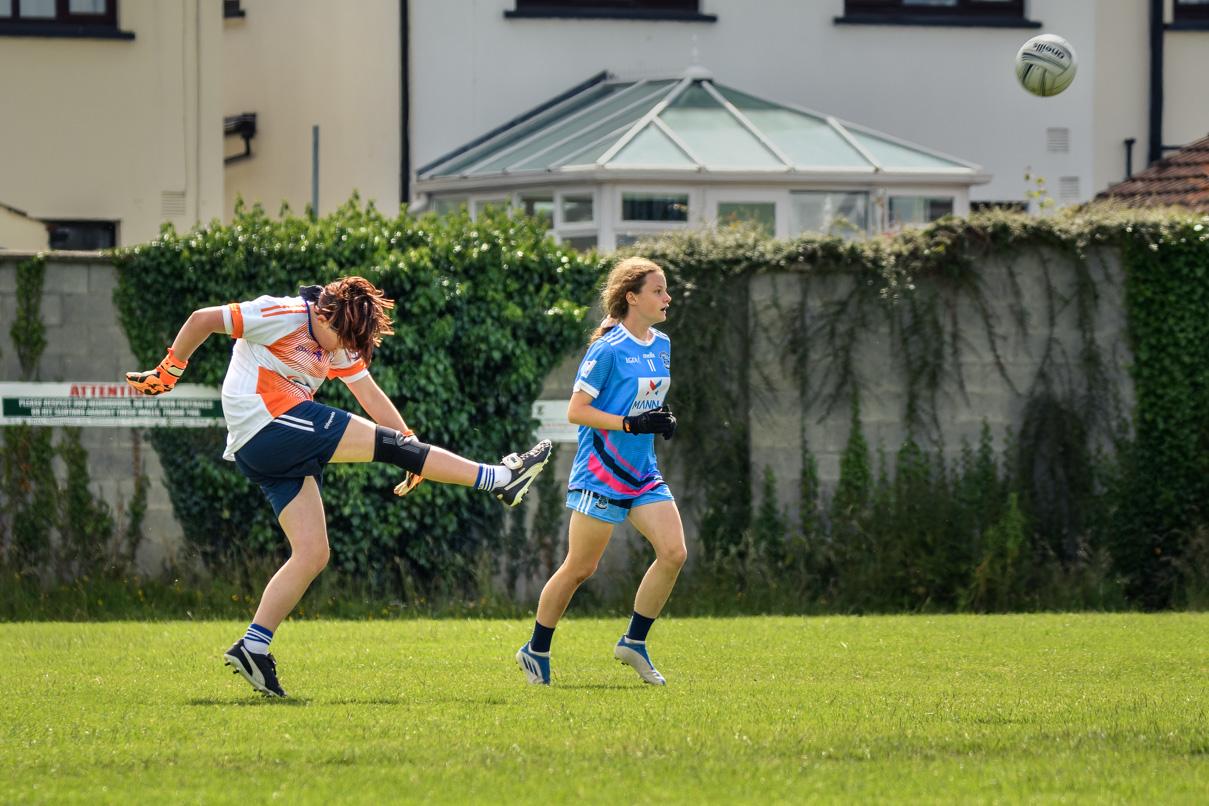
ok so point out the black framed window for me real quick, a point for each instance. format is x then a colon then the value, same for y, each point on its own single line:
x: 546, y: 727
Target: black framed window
x: 687, y: 10
x: 1005, y: 13
x: 102, y: 13
x: 1191, y: 11
x: 82, y: 235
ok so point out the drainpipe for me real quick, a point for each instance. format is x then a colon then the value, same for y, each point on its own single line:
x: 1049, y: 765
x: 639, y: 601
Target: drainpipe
x: 1154, y: 148
x: 404, y: 107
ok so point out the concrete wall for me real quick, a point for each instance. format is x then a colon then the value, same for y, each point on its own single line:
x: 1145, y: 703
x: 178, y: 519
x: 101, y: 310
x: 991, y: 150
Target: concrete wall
x: 778, y: 426
x: 86, y: 343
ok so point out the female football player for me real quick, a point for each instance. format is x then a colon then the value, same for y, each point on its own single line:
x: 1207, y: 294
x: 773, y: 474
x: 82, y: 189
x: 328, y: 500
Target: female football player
x: 280, y: 438
x: 618, y: 404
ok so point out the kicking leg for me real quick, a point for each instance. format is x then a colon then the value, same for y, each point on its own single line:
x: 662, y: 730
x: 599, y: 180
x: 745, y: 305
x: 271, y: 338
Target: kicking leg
x: 363, y: 441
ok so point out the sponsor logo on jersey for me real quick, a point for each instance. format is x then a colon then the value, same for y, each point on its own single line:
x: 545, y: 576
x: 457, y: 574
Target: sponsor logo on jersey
x: 587, y: 368
x: 631, y: 359
x: 328, y: 424
x: 651, y: 392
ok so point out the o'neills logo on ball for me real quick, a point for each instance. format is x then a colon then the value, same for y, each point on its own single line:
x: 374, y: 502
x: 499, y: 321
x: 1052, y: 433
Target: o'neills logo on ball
x: 1046, y: 48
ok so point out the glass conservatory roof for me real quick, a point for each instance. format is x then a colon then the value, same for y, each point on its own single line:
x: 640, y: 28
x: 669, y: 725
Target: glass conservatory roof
x: 686, y: 124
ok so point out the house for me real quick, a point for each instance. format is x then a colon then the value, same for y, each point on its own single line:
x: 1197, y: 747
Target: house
x: 611, y: 161
x: 1181, y: 178
x: 120, y: 115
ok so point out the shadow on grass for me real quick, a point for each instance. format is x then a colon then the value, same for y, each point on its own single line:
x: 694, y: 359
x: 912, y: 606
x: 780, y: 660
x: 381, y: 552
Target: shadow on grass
x: 273, y: 702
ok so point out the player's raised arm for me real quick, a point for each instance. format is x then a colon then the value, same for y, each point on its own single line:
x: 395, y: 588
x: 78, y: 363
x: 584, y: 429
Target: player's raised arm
x: 376, y: 404
x: 197, y: 328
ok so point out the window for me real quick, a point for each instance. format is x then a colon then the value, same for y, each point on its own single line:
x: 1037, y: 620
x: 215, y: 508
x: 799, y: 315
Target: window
x: 444, y: 207
x: 1191, y: 11
x: 537, y: 205
x: 82, y: 235
x: 481, y: 205
x: 688, y: 10
x: 580, y: 243
x: 231, y: 9
x: 761, y: 214
x: 1008, y: 206
x: 577, y: 208
x: 907, y: 211
x: 844, y: 213
x: 654, y: 207
x: 40, y: 13
x: 938, y: 11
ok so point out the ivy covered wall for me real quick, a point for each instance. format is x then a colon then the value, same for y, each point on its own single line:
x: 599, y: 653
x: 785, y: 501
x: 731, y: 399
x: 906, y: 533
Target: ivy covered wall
x: 990, y: 413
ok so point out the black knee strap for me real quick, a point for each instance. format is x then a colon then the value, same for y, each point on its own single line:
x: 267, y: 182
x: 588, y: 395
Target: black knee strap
x: 405, y: 452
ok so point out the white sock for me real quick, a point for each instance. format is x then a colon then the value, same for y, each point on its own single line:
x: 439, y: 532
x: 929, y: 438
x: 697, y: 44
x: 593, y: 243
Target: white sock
x: 257, y: 639
x: 492, y: 477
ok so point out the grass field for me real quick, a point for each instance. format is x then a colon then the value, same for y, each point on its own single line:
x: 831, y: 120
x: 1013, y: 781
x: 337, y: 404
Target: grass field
x: 912, y: 709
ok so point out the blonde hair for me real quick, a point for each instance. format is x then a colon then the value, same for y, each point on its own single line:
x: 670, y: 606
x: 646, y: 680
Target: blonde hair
x: 627, y: 276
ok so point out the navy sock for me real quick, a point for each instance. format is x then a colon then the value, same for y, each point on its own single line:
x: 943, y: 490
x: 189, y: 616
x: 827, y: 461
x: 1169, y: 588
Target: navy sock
x: 639, y: 627
x: 540, y: 642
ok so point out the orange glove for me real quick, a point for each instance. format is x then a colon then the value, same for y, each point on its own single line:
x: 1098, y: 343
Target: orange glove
x: 411, y: 480
x: 409, y: 483
x: 161, y: 379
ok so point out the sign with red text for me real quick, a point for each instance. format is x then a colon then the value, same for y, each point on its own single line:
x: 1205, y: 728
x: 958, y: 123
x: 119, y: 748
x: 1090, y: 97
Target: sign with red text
x: 88, y: 403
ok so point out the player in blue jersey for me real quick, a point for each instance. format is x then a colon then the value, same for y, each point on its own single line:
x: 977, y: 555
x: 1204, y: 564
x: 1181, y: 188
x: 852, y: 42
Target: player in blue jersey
x: 618, y: 404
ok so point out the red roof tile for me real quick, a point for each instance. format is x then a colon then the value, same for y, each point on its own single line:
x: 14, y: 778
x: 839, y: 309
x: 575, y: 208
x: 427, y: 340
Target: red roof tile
x: 1181, y: 178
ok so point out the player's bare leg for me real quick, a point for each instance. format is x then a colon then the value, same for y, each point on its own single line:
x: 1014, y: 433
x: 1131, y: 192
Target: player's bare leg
x: 586, y: 542
x: 660, y: 523
x: 508, y: 481
x: 305, y: 527
x: 357, y: 445
x: 587, y: 539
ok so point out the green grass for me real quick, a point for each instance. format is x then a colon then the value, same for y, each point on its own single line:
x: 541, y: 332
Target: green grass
x: 913, y: 709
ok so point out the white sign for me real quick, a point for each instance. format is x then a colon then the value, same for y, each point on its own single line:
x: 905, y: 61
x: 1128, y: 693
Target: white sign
x: 552, y: 416
x: 103, y: 403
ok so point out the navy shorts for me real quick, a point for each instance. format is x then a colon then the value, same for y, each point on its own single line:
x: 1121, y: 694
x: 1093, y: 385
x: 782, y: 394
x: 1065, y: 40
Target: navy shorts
x: 613, y: 510
x: 295, y: 445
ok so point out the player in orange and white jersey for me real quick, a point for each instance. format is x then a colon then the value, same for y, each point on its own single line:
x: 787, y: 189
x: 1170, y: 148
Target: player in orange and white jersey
x: 279, y: 437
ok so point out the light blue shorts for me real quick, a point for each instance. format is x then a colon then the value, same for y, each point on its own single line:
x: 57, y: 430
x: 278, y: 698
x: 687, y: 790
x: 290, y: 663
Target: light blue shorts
x: 613, y: 510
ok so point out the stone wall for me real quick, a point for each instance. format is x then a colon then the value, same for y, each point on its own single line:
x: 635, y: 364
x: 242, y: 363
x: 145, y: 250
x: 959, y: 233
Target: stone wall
x: 86, y: 343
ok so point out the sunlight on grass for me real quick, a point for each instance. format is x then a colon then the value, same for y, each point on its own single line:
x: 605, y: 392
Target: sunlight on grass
x: 946, y: 709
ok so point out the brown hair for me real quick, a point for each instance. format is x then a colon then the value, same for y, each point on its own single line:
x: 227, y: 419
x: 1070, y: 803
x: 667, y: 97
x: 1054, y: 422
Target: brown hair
x: 626, y: 276
x: 357, y: 311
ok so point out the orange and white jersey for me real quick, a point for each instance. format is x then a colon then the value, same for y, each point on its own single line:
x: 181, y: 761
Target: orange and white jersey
x: 275, y: 364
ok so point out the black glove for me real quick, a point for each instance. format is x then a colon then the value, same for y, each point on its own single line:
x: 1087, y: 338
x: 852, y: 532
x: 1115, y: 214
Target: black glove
x: 671, y: 422
x: 657, y: 421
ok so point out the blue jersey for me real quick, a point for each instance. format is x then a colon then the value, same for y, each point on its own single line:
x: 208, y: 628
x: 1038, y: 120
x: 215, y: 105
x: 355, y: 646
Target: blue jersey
x: 625, y: 376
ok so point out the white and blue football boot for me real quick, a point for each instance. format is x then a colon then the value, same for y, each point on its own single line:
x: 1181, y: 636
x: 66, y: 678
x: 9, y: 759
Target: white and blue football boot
x: 634, y: 653
x: 535, y: 665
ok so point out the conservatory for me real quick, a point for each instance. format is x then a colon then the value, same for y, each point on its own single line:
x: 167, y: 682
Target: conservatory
x: 613, y: 161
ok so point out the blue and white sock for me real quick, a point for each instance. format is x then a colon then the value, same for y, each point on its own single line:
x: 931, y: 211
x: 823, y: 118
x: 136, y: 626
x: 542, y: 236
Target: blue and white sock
x: 492, y: 477
x: 257, y: 639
